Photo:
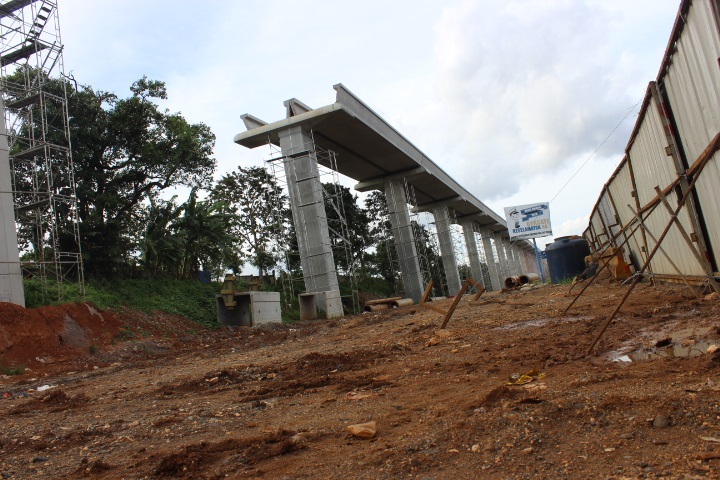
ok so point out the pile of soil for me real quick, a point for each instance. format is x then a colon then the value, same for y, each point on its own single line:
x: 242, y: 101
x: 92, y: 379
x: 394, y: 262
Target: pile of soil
x: 76, y: 335
x: 48, y: 335
x: 506, y: 391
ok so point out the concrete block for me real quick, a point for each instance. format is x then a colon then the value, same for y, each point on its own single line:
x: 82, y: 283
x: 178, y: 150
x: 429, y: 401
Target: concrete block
x: 252, y: 309
x: 265, y: 307
x: 330, y: 303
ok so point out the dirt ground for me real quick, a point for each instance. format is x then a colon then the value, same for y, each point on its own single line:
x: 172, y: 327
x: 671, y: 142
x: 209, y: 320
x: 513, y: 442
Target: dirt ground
x: 126, y: 395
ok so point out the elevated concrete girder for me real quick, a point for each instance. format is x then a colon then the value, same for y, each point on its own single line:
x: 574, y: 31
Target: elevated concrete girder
x: 371, y: 150
x: 378, y: 183
x: 443, y: 203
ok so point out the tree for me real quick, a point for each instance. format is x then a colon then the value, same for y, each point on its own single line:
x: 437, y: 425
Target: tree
x: 159, y: 247
x: 205, y: 239
x: 125, y: 152
x: 256, y: 204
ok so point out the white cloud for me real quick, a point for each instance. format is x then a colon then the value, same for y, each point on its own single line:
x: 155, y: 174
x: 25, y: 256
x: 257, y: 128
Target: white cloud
x: 509, y: 97
x: 530, y: 87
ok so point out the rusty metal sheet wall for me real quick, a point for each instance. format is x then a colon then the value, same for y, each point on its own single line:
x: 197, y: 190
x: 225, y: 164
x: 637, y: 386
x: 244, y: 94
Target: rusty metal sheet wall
x: 692, y: 84
x: 620, y: 188
x: 606, y: 212
x: 653, y: 167
x: 598, y: 229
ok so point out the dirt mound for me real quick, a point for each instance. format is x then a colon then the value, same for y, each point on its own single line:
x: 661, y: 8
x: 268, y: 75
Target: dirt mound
x: 69, y: 336
x: 52, y: 334
x: 506, y: 391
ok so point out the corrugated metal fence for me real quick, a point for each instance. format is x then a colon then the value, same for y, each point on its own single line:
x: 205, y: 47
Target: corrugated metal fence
x: 672, y: 158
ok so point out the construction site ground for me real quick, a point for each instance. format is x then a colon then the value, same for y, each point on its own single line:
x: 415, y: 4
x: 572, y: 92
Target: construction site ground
x: 121, y: 394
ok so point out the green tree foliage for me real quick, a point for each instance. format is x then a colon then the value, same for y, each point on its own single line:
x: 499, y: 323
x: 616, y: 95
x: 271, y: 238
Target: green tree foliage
x: 257, y: 208
x: 125, y: 152
x: 179, y: 241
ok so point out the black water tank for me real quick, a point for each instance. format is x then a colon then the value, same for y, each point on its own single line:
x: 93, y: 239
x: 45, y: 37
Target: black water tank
x: 566, y: 257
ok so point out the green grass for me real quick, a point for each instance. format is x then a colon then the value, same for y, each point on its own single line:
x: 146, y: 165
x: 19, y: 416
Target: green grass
x: 189, y: 298
x: 18, y: 370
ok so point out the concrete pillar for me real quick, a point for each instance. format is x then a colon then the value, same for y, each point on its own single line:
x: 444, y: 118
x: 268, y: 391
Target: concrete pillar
x: 468, y: 227
x: 504, y: 266
x: 404, y: 239
x: 308, y: 210
x: 511, y: 265
x: 442, y: 225
x: 515, y: 253
x: 11, y: 286
x: 495, y: 284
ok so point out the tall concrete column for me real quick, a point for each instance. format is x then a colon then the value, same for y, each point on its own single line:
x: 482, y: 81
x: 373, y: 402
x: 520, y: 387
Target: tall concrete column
x: 11, y: 286
x: 310, y: 219
x: 511, y: 269
x: 442, y: 225
x: 491, y: 261
x: 404, y: 239
x: 468, y: 227
x: 502, y: 259
x: 515, y: 253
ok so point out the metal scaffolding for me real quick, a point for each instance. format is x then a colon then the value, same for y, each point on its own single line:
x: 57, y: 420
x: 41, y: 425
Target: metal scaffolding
x: 426, y: 242
x: 294, y: 277
x: 36, y: 118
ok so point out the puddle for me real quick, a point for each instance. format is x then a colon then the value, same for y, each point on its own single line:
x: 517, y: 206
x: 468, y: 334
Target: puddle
x: 540, y: 322
x: 677, y: 344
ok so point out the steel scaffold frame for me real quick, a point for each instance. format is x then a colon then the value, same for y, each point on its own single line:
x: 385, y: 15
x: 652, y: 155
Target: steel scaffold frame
x: 37, y: 123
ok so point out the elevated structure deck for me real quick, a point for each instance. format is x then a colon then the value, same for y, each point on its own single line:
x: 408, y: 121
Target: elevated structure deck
x: 372, y: 152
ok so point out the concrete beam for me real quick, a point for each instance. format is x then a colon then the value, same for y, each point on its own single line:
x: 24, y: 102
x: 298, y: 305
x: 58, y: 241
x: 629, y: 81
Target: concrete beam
x: 442, y: 203
x: 378, y: 183
x: 295, y: 107
x: 252, y: 122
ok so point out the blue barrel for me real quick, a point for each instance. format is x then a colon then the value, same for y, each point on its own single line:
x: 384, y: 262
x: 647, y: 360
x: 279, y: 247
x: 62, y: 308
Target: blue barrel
x: 566, y: 257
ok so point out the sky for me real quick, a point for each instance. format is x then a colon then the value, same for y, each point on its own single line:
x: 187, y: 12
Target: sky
x: 509, y: 97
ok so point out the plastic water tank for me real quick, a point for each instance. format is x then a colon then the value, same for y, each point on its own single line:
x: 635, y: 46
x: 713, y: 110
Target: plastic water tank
x: 566, y: 257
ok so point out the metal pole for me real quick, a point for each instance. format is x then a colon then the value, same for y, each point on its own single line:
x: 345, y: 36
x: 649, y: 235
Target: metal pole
x: 539, y: 264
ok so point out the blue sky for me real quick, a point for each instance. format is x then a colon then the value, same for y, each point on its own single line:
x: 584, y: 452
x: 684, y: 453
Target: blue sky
x: 508, y: 97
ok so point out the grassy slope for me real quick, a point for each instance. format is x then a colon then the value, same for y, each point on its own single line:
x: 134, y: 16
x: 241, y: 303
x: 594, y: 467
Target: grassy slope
x: 191, y: 299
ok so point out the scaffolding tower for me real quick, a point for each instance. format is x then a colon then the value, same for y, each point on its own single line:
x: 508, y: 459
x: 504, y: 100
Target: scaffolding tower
x: 35, y: 111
